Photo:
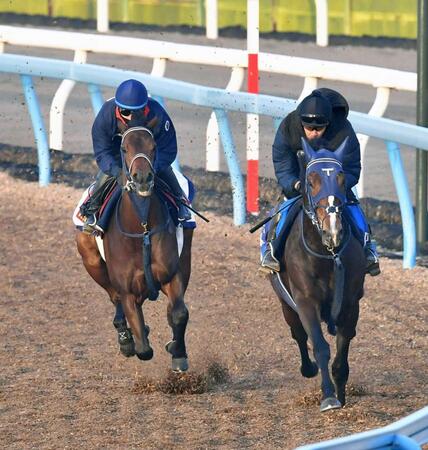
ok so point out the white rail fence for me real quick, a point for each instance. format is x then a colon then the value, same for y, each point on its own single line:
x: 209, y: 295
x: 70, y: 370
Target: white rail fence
x: 408, y: 433
x: 312, y: 70
x: 211, y: 19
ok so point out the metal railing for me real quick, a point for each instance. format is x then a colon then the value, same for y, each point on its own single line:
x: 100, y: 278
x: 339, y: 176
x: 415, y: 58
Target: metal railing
x: 312, y: 70
x: 220, y: 100
x: 405, y: 434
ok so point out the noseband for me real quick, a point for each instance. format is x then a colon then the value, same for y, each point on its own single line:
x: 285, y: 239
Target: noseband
x: 130, y: 182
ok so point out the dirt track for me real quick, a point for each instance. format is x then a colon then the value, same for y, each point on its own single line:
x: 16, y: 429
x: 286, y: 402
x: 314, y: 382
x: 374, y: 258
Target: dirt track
x: 64, y: 384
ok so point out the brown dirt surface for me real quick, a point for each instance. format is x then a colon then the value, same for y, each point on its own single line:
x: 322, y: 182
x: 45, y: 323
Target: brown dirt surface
x: 64, y: 384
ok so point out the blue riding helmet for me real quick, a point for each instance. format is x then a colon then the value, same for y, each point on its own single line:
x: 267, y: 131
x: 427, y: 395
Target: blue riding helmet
x: 131, y: 94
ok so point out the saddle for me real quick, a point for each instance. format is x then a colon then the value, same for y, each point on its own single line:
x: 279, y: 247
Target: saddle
x: 112, y: 195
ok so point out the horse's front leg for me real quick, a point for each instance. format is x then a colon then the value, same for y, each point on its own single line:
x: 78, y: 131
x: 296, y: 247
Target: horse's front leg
x: 124, y: 334
x: 312, y: 325
x: 135, y: 317
x: 177, y: 315
x: 308, y: 368
x: 346, y: 330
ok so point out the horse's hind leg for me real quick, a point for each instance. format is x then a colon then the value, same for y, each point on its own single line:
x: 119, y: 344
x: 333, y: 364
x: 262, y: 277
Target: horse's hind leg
x: 178, y: 315
x: 97, y: 269
x: 346, y: 330
x: 186, y: 257
x: 321, y: 350
x: 308, y: 368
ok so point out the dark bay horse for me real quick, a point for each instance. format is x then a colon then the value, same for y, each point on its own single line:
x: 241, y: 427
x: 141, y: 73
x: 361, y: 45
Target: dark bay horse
x: 141, y: 254
x: 322, y: 273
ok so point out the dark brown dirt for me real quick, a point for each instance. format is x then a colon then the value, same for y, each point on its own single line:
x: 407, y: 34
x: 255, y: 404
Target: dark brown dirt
x: 64, y: 384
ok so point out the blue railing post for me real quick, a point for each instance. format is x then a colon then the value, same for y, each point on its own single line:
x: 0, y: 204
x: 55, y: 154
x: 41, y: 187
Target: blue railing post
x: 39, y: 129
x: 406, y: 208
x: 97, y: 99
x: 238, y: 191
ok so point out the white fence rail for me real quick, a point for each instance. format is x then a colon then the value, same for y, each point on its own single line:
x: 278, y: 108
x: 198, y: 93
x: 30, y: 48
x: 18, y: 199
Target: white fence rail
x: 405, y: 434
x: 312, y: 70
x: 219, y: 100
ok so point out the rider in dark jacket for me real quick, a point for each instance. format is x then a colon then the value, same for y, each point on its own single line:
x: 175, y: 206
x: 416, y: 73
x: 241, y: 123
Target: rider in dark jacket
x: 131, y: 102
x: 321, y: 116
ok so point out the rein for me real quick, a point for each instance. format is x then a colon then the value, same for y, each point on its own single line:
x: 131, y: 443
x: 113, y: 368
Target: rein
x: 338, y: 269
x: 141, y: 207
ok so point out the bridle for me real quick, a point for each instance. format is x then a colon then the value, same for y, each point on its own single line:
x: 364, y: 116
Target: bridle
x: 318, y: 165
x: 131, y: 184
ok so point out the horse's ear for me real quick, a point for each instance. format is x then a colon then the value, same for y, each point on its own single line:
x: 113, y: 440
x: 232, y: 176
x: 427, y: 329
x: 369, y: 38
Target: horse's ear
x: 308, y: 150
x: 340, y: 151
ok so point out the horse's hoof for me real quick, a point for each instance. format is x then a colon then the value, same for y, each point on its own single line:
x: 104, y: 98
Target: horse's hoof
x: 309, y: 371
x: 146, y: 356
x: 179, y: 365
x: 128, y: 350
x: 330, y: 403
x: 170, y: 346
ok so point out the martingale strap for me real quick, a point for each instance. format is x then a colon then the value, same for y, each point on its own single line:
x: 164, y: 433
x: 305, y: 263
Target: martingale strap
x: 141, y: 207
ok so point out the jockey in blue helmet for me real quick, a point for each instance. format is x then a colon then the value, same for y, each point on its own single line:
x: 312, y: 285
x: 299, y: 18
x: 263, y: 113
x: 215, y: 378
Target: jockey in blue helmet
x: 131, y: 103
x: 322, y: 115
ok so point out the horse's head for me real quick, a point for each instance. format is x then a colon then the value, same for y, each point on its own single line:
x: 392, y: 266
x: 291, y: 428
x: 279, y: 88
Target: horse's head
x: 138, y: 153
x: 325, y: 191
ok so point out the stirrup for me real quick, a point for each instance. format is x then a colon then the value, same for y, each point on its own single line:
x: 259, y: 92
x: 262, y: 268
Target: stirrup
x: 372, y: 260
x: 269, y: 263
x: 373, y: 269
x: 90, y: 226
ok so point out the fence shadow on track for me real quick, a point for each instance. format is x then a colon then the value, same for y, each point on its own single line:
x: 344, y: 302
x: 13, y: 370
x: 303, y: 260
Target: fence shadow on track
x: 213, y: 191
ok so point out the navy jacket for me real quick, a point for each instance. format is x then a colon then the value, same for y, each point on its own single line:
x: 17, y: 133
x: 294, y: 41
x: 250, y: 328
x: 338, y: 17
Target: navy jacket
x: 288, y: 141
x: 106, y: 141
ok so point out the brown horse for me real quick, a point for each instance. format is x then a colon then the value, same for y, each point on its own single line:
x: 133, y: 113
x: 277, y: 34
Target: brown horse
x: 322, y: 273
x: 141, y: 254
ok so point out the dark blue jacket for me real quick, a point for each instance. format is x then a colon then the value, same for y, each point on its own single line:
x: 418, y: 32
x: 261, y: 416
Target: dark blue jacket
x: 106, y: 141
x: 288, y: 142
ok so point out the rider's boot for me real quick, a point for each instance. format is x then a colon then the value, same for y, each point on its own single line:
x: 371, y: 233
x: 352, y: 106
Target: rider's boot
x: 91, y: 207
x: 372, y: 258
x: 269, y: 262
x: 168, y: 175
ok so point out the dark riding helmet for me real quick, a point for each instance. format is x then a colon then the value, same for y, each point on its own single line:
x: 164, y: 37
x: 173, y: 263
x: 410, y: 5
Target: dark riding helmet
x: 131, y: 94
x: 315, y: 110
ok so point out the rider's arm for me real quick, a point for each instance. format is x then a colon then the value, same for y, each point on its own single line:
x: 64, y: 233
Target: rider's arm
x: 352, y: 162
x: 166, y: 140
x: 285, y: 163
x: 105, y: 151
